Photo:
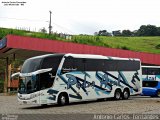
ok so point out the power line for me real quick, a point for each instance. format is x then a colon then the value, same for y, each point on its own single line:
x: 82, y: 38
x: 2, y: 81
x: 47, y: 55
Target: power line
x: 62, y: 27
x: 66, y: 29
x: 23, y: 19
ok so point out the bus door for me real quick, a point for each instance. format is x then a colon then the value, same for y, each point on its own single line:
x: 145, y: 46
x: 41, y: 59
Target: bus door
x: 47, y: 78
x: 45, y: 83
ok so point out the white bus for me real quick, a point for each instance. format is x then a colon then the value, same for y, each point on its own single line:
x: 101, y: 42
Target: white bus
x: 151, y: 81
x: 65, y: 78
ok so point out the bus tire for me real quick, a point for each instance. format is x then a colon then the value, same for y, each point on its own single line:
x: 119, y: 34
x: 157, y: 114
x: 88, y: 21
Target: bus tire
x: 44, y: 105
x: 117, y: 94
x: 125, y: 94
x: 158, y: 93
x: 63, y: 99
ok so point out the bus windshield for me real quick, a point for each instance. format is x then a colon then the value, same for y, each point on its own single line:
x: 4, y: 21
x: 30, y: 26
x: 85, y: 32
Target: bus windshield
x: 150, y: 83
x: 39, y: 81
x: 28, y: 84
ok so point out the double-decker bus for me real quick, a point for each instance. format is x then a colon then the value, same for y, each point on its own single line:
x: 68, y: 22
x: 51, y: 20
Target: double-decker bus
x: 65, y: 78
x: 151, y: 81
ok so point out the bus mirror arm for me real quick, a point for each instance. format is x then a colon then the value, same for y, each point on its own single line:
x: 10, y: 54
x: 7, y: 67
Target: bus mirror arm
x: 15, y: 74
x: 52, y: 76
x: 42, y: 71
x: 53, y: 71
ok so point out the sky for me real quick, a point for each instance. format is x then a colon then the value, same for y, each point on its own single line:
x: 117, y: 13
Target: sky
x: 81, y: 16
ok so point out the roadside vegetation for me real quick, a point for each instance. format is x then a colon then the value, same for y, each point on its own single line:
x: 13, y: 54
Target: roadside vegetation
x: 6, y: 31
x: 140, y: 44
x: 150, y: 44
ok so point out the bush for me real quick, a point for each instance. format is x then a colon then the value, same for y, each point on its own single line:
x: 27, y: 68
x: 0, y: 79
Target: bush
x: 125, y: 48
x: 157, y: 46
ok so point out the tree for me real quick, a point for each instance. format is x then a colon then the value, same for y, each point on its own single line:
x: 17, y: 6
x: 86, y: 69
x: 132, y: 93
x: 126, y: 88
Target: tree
x: 104, y: 33
x: 158, y: 31
x: 147, y: 30
x: 95, y: 33
x: 135, y: 33
x: 116, y: 33
x: 126, y: 33
x: 43, y: 30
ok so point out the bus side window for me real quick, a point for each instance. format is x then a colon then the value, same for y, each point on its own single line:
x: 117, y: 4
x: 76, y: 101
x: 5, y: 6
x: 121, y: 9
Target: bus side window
x: 144, y: 71
x: 68, y: 65
x: 95, y: 65
x: 79, y: 64
x: 153, y: 71
x: 122, y: 65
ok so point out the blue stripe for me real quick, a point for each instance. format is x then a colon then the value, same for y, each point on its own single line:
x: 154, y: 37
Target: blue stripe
x: 74, y: 96
x: 104, y: 92
x: 51, y: 91
x: 120, y: 81
x: 123, y: 77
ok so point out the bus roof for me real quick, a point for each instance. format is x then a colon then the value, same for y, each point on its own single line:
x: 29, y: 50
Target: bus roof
x: 46, y: 55
x: 150, y: 66
x: 98, y: 57
x: 85, y: 56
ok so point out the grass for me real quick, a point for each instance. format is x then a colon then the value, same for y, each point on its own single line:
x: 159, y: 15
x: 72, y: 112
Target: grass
x: 6, y: 31
x: 141, y: 44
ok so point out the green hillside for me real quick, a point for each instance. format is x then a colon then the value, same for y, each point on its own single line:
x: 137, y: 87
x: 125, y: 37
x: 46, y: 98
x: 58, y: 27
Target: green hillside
x: 142, y: 44
x: 6, y: 31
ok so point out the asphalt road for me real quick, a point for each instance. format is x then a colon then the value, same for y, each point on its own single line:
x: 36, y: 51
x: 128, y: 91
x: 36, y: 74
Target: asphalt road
x: 134, y: 105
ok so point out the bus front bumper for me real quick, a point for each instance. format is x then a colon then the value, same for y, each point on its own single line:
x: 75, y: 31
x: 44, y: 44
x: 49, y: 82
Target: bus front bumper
x: 26, y: 99
x: 147, y: 91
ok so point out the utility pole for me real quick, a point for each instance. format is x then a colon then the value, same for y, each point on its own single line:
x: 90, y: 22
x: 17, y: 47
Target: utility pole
x: 50, y: 27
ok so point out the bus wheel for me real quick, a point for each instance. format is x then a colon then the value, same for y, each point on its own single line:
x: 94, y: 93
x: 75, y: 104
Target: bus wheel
x: 117, y: 94
x: 44, y: 105
x: 125, y: 94
x: 158, y: 93
x: 63, y: 99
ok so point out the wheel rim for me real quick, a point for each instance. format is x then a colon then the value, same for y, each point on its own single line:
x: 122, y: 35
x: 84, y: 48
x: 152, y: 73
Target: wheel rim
x: 118, y: 95
x: 63, y: 100
x: 125, y: 94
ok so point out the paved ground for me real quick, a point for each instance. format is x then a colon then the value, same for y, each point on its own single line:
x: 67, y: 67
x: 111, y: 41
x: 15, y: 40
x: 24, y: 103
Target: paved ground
x: 136, y: 104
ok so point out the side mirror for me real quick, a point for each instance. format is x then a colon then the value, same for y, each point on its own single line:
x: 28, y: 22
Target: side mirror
x: 42, y: 71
